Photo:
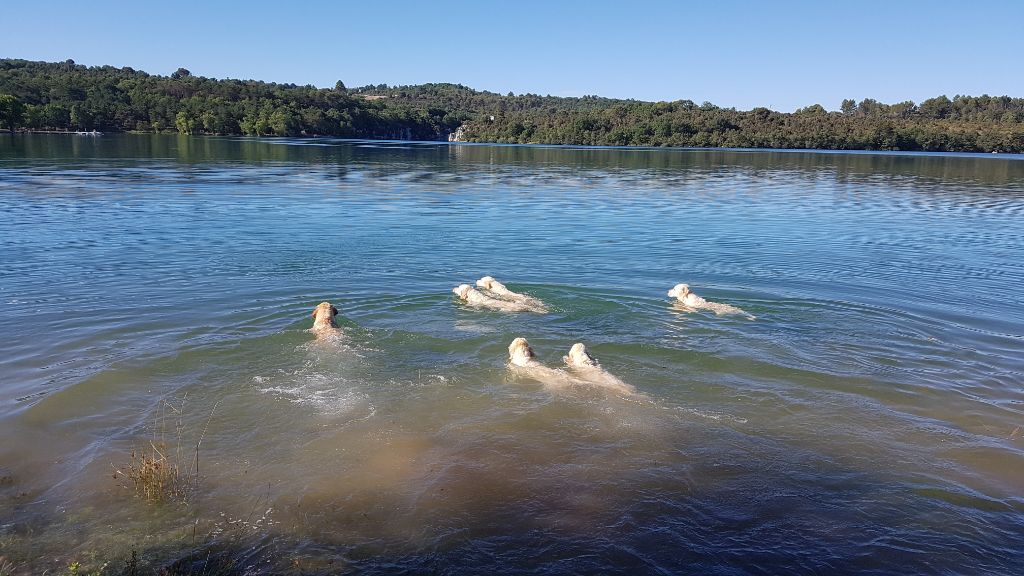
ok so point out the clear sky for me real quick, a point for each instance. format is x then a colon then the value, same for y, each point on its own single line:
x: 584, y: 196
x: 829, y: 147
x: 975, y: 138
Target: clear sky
x: 783, y: 55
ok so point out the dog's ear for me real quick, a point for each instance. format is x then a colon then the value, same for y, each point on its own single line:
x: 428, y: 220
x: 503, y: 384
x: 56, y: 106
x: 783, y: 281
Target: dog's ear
x: 334, y: 311
x: 313, y: 315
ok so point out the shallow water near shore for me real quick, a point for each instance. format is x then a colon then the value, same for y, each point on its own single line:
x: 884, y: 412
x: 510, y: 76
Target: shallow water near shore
x: 870, y: 420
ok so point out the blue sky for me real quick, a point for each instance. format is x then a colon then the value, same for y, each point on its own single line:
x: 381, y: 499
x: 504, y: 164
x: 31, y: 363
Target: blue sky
x: 783, y: 55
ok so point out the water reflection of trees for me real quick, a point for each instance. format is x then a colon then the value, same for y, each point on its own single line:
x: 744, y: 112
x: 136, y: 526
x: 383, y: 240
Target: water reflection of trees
x: 387, y: 159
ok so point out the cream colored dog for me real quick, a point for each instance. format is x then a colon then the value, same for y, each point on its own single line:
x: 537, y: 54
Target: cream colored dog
x: 323, y: 320
x: 521, y: 354
x: 578, y: 357
x: 498, y: 289
x: 478, y: 299
x: 588, y: 368
x: 522, y: 360
x: 689, y: 300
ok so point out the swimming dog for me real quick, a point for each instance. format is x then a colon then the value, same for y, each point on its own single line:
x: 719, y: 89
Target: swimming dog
x: 521, y: 354
x: 478, y: 299
x: 689, y: 300
x: 587, y: 367
x: 501, y: 291
x: 522, y: 360
x: 323, y: 320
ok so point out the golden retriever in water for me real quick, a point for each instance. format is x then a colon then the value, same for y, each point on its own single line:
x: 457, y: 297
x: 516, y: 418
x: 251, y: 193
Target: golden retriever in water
x: 587, y: 367
x: 478, y: 299
x: 498, y: 289
x: 523, y: 361
x: 690, y: 301
x: 578, y: 357
x: 521, y: 354
x: 323, y: 320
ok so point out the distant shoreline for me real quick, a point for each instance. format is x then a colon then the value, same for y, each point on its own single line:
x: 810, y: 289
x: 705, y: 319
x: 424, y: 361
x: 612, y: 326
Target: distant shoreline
x: 925, y: 153
x: 56, y: 96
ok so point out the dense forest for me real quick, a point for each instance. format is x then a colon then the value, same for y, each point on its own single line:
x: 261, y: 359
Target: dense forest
x: 68, y: 96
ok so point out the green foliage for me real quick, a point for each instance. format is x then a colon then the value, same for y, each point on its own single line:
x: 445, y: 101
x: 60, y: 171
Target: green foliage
x: 186, y: 123
x: 66, y: 96
x: 965, y: 123
x: 968, y: 124
x: 11, y: 111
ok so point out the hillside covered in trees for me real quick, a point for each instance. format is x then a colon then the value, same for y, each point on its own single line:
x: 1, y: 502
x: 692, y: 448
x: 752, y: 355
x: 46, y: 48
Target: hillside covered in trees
x: 68, y: 96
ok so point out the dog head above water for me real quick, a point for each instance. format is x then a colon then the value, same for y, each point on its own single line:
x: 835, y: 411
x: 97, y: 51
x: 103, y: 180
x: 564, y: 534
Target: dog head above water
x: 486, y: 282
x: 520, y: 353
x: 578, y: 357
x: 462, y: 291
x: 679, y: 290
x: 323, y: 316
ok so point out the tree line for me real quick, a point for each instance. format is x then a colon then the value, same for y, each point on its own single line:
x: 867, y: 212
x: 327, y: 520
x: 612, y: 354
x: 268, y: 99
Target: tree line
x: 961, y: 124
x: 68, y: 96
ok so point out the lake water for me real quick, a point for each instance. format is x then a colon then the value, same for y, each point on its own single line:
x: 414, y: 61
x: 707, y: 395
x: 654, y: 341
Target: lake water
x: 870, y: 420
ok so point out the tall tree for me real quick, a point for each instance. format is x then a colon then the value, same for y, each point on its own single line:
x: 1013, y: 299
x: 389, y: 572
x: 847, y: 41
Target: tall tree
x: 11, y: 111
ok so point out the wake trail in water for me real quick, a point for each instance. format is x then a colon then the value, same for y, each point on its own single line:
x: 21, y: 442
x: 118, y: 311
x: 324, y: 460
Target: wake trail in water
x: 327, y: 381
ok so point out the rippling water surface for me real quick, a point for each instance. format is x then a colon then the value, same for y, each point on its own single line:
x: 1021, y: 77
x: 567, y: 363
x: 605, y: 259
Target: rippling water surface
x: 868, y: 421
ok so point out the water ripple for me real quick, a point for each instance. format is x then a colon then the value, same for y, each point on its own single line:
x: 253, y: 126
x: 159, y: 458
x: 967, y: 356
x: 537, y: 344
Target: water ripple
x: 867, y: 421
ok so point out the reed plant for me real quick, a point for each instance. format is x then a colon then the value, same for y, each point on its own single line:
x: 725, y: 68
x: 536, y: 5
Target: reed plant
x: 153, y: 475
x: 163, y: 470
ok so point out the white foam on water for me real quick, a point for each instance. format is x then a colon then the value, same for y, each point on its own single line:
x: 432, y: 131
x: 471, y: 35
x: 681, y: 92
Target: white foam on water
x: 717, y: 416
x: 336, y: 350
x: 423, y: 379
x: 326, y: 394
x: 321, y: 383
x: 336, y: 341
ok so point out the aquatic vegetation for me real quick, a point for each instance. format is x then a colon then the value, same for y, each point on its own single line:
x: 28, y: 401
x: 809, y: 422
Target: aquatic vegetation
x: 131, y: 564
x: 153, y: 476
x: 161, y: 471
x: 79, y: 569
